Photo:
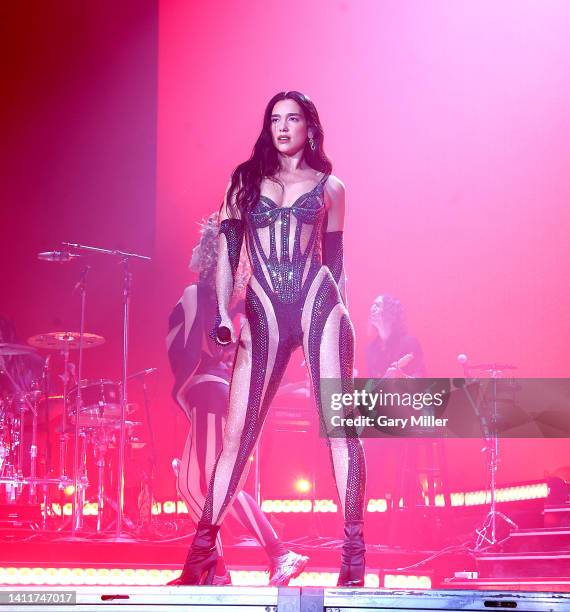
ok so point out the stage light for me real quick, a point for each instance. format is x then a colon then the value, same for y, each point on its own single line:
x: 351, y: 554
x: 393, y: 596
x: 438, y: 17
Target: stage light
x: 86, y: 576
x: 405, y: 581
x: 69, y: 490
x: 322, y: 579
x: 377, y: 505
x: 90, y: 509
x: 249, y: 578
x: 302, y: 485
x: 324, y: 505
x: 294, y: 506
x: 90, y: 576
x: 533, y: 490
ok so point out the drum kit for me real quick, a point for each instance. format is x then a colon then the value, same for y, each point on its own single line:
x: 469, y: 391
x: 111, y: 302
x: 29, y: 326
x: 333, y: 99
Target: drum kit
x: 26, y: 468
x: 92, y: 416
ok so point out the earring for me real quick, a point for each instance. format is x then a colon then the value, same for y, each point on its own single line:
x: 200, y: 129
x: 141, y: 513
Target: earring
x: 312, y: 144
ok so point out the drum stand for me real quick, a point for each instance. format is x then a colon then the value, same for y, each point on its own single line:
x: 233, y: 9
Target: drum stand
x: 23, y: 404
x: 63, y: 436
x: 101, y: 445
x: 487, y: 533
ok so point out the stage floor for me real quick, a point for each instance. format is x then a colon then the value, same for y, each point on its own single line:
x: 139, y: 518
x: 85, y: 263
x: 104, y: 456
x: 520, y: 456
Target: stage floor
x: 271, y: 599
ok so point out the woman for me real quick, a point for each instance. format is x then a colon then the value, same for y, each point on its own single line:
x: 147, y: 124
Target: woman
x: 392, y: 353
x: 201, y: 371
x: 290, y: 208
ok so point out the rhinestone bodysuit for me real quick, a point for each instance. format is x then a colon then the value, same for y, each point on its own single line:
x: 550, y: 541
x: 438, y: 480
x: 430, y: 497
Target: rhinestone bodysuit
x: 292, y: 300
x: 282, y: 243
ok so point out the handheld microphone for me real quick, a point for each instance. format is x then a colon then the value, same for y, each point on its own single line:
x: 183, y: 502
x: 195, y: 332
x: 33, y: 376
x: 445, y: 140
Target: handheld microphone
x: 224, y: 335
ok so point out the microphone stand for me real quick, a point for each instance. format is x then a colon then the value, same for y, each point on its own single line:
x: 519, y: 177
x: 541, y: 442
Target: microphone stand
x: 127, y: 285
x: 48, y: 440
x: 77, y: 513
x: 153, y: 462
x: 487, y: 534
x: 126, y: 293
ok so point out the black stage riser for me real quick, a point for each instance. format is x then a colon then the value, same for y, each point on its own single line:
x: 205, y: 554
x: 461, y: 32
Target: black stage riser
x: 536, y: 584
x: 557, y: 516
x: 538, y: 540
x: 507, y: 565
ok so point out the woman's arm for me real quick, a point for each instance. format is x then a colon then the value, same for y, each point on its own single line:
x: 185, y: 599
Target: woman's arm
x: 333, y: 235
x: 230, y: 239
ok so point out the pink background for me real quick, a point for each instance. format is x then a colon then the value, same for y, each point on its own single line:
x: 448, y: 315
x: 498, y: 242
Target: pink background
x: 447, y: 121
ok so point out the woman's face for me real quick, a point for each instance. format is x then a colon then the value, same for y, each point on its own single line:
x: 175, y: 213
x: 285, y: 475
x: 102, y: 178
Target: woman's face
x: 288, y: 127
x: 377, y: 319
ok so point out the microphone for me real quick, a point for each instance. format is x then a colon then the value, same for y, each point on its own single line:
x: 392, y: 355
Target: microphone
x: 59, y: 256
x: 223, y: 335
x: 462, y: 360
x: 143, y: 373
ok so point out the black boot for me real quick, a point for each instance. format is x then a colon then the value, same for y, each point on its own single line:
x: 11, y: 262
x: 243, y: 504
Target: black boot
x: 222, y: 577
x: 352, y: 560
x: 200, y: 565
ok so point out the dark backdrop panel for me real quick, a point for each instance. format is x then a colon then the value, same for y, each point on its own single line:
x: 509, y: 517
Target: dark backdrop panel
x: 78, y: 163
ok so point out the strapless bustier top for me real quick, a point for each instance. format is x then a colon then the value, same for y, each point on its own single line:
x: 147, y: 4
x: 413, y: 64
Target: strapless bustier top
x: 284, y: 242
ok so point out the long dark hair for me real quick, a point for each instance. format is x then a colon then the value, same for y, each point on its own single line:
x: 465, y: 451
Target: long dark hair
x: 264, y: 160
x: 393, y: 312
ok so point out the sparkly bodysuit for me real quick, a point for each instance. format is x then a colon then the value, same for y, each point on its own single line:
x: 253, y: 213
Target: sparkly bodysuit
x: 292, y: 300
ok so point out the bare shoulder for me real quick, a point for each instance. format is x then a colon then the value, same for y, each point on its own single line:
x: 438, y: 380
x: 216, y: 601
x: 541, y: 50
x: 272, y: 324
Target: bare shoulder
x: 334, y: 192
x: 334, y: 187
x: 229, y: 206
x: 334, y: 182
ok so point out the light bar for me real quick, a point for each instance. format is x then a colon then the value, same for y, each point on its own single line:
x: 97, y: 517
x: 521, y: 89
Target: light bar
x: 377, y: 505
x: 406, y: 581
x: 537, y: 490
x: 84, y: 576
x: 89, y: 576
x: 298, y: 505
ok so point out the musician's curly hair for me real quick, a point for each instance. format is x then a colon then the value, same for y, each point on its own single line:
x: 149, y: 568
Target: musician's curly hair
x: 209, y: 256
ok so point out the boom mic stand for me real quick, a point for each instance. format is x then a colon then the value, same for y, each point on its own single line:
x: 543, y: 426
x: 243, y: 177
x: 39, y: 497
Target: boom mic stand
x: 124, y: 258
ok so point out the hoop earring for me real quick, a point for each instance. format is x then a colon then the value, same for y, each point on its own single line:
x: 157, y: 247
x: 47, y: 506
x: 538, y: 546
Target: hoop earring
x: 312, y: 144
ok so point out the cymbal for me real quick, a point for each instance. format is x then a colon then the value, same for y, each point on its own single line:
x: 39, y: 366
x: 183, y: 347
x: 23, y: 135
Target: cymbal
x: 495, y: 367
x: 62, y: 340
x: 15, y: 349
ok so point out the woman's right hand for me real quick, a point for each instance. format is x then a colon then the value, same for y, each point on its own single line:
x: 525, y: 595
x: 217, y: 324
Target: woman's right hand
x: 225, y: 332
